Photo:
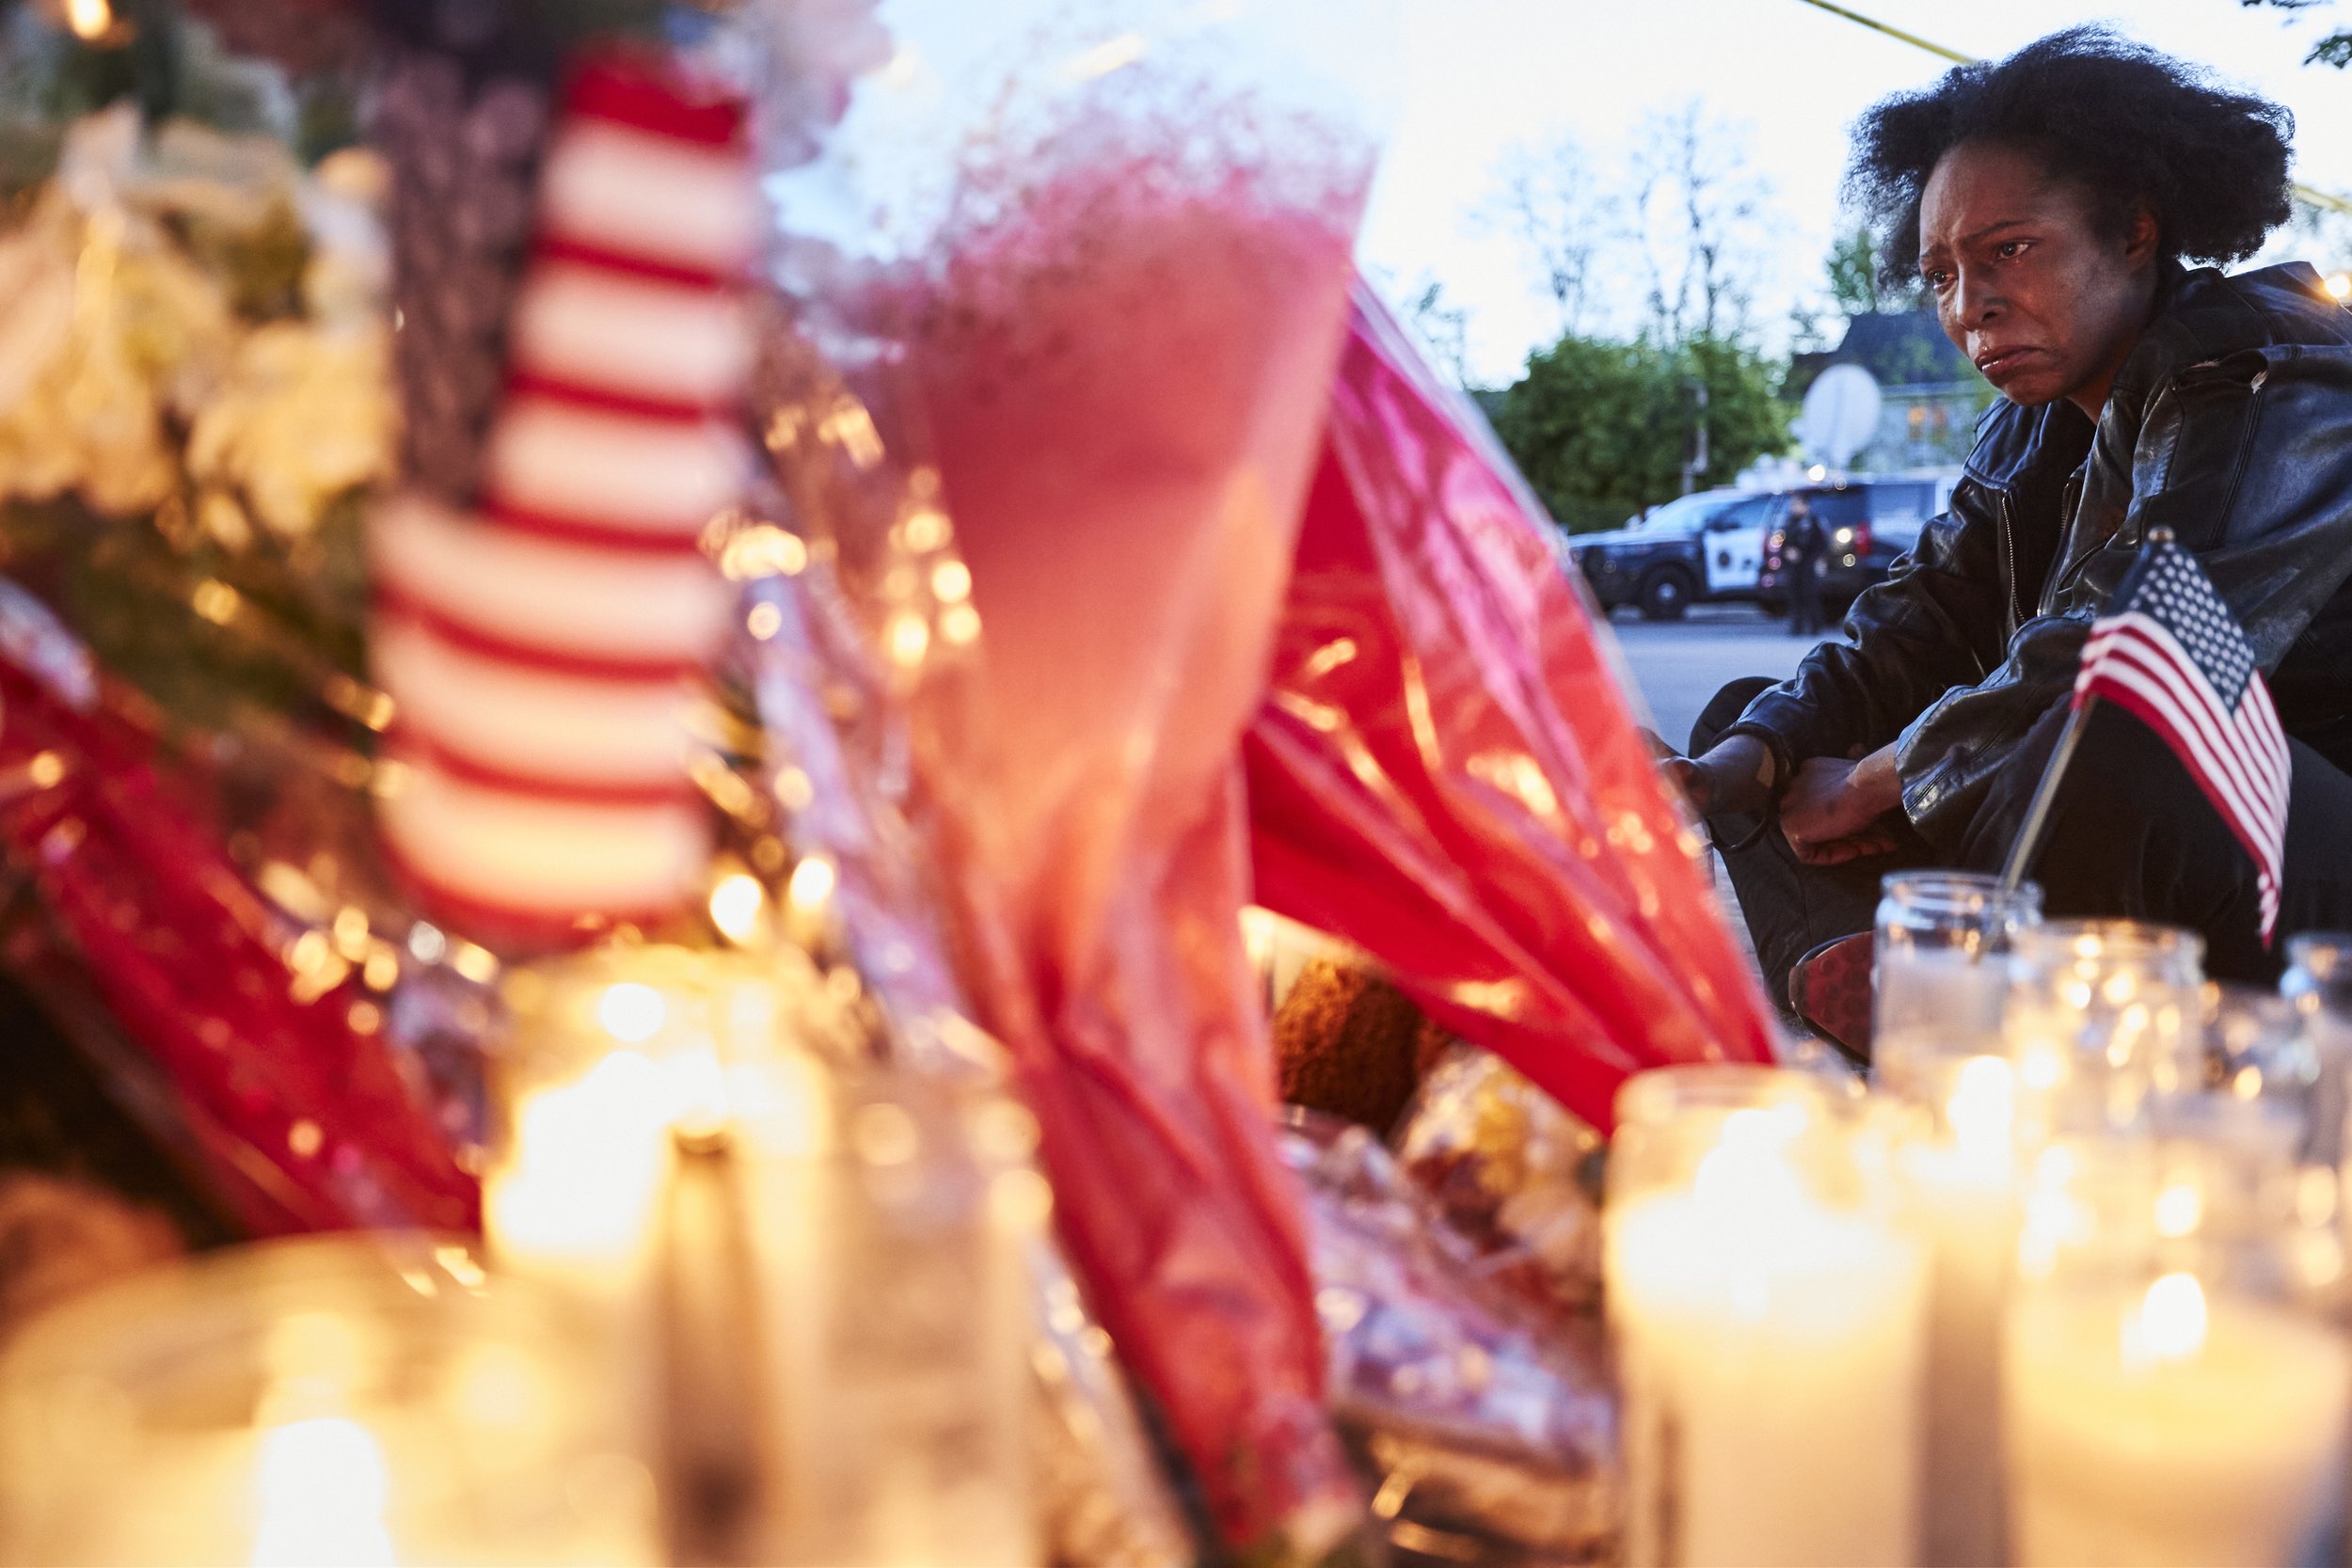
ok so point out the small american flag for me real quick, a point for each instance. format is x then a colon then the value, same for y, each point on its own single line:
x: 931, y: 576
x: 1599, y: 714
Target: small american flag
x: 2168, y: 650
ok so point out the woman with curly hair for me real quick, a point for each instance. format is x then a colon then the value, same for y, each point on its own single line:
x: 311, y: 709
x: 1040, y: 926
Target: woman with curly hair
x: 2049, y: 201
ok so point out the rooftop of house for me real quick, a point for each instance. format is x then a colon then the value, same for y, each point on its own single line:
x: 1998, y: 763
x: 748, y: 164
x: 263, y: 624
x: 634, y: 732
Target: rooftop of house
x: 1901, y: 349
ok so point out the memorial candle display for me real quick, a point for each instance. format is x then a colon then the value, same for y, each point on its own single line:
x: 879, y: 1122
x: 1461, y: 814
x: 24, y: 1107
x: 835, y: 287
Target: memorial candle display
x: 1770, y: 1323
x: 2160, y: 1424
x: 345, y: 1399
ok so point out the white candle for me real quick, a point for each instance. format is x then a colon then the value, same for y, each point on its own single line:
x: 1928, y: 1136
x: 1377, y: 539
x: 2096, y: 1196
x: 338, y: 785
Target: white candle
x: 1963, y: 1188
x: 2157, y: 1426
x: 1771, y: 1348
x: 624, y: 1052
x: 1935, y: 1003
x: 577, y: 1199
x: 303, y: 1401
x: 897, y: 1315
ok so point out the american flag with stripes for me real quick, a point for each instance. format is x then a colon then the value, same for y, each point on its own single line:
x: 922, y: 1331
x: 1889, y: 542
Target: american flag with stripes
x: 2168, y: 650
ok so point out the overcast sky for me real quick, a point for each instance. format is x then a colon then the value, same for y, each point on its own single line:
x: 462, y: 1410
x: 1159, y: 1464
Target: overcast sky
x: 1484, y: 74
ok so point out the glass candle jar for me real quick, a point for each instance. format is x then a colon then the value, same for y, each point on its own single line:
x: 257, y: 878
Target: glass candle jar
x: 1960, y: 1168
x: 2171, y: 1393
x: 2318, y: 984
x: 344, y: 1399
x: 892, y: 1218
x: 2102, y: 1021
x: 613, y: 1055
x: 1767, y: 1310
x: 1938, y: 980
x: 2263, y: 1073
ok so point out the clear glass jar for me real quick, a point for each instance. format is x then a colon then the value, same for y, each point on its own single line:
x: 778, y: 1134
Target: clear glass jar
x: 2318, y: 983
x: 2103, y: 1021
x: 2262, y: 1073
x: 611, y: 1056
x: 2171, y: 1390
x: 891, y: 1218
x: 1938, y: 983
x: 345, y: 1399
x: 1767, y: 1310
x: 1959, y: 1170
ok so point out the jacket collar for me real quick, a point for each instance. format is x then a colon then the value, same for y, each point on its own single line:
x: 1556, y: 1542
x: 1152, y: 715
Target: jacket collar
x: 2016, y: 447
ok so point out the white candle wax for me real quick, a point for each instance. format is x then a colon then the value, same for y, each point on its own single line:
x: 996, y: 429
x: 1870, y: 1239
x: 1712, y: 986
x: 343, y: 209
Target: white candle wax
x: 1931, y: 1004
x: 2164, y: 1428
x: 384, y: 1488
x: 576, y: 1200
x: 1771, y: 1350
x: 1963, y: 1189
x: 1968, y: 1217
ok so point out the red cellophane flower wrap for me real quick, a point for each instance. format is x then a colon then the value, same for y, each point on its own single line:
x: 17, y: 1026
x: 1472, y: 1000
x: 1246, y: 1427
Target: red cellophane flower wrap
x: 1125, y: 499
x: 1446, y: 771
x: 255, y: 1053
x: 1099, y: 351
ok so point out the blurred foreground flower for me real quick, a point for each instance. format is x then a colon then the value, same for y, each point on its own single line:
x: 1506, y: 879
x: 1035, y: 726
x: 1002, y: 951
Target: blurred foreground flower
x: 301, y: 419
x: 150, y: 296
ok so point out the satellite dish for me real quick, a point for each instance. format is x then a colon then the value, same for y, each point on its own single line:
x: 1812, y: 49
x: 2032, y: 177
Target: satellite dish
x: 1841, y: 414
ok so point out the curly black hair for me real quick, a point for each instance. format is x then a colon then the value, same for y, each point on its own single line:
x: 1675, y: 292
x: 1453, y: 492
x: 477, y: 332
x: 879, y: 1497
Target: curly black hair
x: 2127, y: 125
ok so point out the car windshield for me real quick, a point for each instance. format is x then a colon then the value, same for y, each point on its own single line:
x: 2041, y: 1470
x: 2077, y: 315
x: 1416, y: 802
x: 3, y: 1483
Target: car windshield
x: 1687, y: 514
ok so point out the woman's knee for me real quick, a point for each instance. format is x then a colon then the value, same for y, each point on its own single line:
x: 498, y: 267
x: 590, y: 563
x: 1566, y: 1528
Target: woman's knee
x: 2134, y: 835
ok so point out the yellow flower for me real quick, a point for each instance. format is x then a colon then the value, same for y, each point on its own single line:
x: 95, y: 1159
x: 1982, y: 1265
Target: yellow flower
x: 100, y: 325
x: 304, y: 416
x: 113, y: 336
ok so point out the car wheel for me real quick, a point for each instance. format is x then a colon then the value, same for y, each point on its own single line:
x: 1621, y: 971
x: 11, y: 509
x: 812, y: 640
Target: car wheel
x: 1665, y: 594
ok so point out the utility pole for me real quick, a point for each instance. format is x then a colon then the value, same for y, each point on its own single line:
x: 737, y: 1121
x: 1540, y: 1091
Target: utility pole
x: 1697, y: 465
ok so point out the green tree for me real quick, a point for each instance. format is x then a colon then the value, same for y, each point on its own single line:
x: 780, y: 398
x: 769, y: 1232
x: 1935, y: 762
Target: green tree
x: 2335, y: 48
x: 1860, y: 284
x: 1602, y: 429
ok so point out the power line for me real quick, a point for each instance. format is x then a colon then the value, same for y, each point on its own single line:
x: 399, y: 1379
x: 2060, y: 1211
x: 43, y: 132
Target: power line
x: 1911, y: 39
x: 2308, y: 194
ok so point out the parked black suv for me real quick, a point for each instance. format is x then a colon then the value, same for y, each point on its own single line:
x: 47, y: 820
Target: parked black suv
x: 1869, y: 522
x: 1694, y: 550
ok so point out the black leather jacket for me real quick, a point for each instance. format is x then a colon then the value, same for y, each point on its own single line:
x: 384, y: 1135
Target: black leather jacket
x: 2232, y: 422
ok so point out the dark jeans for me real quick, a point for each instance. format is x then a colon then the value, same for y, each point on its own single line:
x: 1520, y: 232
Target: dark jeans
x: 2130, y: 834
x: 1805, y: 618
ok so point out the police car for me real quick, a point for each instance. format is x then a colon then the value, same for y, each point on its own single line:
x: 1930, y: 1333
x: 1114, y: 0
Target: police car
x: 1698, y: 550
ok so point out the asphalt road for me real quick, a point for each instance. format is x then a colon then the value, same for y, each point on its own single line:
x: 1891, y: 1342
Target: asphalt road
x: 1679, y: 664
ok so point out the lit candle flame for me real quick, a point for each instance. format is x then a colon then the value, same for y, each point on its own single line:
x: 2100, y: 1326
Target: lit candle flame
x: 91, y: 20
x: 632, y: 1013
x: 736, y: 906
x: 322, y: 1486
x: 2180, y: 1210
x: 1748, y: 1190
x: 2168, y: 1325
x: 1983, y: 1104
x: 588, y: 1160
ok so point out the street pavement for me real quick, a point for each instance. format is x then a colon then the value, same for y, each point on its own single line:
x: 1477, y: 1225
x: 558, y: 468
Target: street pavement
x: 1680, y: 664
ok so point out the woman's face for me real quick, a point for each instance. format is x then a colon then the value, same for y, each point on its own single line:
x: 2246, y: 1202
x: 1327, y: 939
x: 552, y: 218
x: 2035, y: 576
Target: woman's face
x: 2043, y: 302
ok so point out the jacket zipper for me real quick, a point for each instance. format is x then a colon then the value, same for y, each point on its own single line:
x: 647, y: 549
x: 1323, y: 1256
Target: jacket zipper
x: 2069, y: 497
x: 2008, y: 566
